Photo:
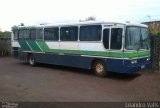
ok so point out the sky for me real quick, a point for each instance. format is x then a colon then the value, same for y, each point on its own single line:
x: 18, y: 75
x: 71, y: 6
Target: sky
x: 33, y: 12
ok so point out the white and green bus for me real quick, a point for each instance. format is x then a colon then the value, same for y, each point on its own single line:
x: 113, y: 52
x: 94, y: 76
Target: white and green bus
x: 101, y: 46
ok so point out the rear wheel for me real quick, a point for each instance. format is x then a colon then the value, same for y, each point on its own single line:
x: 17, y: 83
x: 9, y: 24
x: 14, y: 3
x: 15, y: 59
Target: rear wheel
x: 99, y: 68
x: 31, y: 60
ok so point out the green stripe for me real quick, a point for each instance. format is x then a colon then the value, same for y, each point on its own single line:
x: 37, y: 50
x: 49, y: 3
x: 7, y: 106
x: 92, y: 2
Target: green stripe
x: 24, y: 45
x: 127, y: 54
x: 43, y: 46
x: 34, y: 45
x: 130, y: 55
x: 136, y: 54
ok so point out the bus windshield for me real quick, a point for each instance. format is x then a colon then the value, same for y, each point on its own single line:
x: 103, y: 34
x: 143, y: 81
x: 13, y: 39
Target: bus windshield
x: 137, y: 38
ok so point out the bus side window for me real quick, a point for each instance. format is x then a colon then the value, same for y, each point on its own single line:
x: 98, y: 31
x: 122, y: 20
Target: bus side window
x: 15, y: 34
x: 106, y: 38
x: 116, y: 38
x: 90, y: 33
x: 69, y: 33
x: 39, y: 34
x: 20, y: 34
x: 51, y: 34
x: 33, y: 34
x: 26, y: 34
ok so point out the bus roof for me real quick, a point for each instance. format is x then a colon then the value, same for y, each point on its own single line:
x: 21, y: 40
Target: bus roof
x: 80, y: 23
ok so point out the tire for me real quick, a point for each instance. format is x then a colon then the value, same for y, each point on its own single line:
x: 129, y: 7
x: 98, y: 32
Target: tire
x: 99, y: 68
x: 31, y: 60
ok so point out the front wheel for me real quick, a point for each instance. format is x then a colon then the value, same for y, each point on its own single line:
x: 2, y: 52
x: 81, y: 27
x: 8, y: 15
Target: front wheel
x: 99, y: 68
x: 31, y: 60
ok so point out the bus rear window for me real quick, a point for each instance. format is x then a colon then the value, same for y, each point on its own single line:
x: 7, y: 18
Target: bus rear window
x: 15, y: 34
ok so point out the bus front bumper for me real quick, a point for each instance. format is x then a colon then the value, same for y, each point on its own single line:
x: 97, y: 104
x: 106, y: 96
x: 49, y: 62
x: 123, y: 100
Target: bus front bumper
x: 128, y: 66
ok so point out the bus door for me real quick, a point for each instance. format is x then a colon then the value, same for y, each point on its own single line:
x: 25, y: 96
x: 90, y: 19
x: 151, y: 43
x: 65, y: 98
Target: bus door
x: 106, y: 38
x: 113, y: 39
x: 116, y: 41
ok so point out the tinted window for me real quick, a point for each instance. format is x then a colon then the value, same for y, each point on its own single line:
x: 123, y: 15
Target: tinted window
x: 90, y: 33
x: 33, y: 34
x: 106, y: 38
x: 116, y: 38
x: 69, y: 34
x: 39, y: 34
x: 51, y: 33
x: 26, y: 34
x: 15, y: 33
x: 20, y: 34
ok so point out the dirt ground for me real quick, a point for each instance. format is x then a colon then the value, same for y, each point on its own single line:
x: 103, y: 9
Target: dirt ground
x: 49, y: 83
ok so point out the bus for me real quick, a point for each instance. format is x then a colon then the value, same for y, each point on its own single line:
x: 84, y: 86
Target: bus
x: 98, y: 45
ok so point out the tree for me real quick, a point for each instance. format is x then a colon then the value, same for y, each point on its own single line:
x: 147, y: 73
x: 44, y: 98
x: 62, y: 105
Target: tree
x: 5, y: 34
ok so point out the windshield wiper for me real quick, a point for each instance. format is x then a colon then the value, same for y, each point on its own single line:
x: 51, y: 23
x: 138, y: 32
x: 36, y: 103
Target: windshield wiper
x: 140, y: 42
x: 139, y: 47
x: 147, y: 44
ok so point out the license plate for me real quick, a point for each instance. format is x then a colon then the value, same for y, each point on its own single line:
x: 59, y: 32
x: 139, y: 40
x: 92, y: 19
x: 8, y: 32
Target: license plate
x: 143, y: 66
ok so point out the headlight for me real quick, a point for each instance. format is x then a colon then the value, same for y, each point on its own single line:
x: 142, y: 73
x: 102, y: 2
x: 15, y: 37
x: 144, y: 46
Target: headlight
x: 148, y: 59
x: 133, y: 61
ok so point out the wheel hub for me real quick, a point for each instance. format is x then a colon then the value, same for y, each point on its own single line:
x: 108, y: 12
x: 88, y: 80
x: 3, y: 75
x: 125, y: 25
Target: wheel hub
x: 31, y: 60
x: 99, y: 68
